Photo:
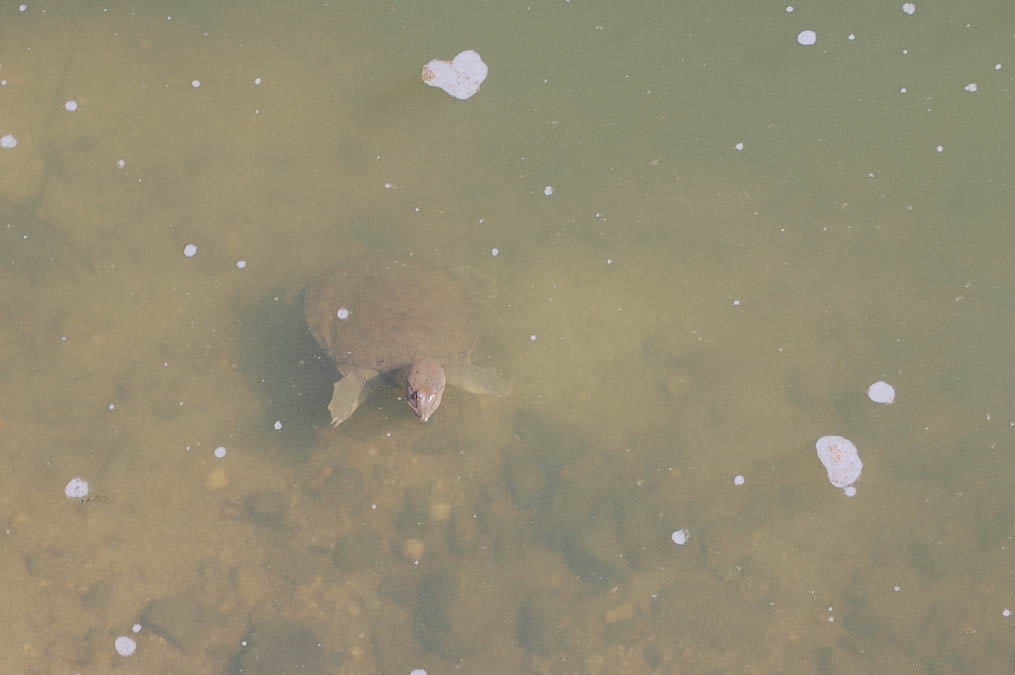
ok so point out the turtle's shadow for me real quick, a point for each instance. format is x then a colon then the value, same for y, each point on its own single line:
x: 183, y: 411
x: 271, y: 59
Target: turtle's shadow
x: 291, y: 376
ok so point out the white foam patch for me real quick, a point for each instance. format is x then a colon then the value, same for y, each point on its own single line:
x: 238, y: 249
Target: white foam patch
x: 807, y: 37
x: 125, y: 646
x: 77, y: 488
x: 839, y: 457
x: 881, y: 392
x: 459, y: 77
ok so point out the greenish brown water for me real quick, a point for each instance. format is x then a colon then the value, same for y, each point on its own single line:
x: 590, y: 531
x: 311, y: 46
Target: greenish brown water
x: 677, y: 312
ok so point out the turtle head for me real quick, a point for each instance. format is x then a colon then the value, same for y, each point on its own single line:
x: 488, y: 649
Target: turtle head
x: 424, y: 386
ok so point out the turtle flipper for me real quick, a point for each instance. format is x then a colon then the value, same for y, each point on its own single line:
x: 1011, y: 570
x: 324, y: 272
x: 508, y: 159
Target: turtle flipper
x: 474, y: 380
x: 349, y: 392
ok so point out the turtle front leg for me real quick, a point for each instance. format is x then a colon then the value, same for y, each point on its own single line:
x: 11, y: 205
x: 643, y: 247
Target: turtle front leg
x: 349, y: 392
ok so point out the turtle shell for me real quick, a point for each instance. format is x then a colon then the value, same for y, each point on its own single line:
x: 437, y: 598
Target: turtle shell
x: 382, y: 314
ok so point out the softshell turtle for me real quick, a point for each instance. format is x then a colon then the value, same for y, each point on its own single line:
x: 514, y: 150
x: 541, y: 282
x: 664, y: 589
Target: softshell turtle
x: 399, y: 320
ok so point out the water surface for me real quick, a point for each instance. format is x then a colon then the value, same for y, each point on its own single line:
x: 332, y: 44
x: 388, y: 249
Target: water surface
x: 743, y: 234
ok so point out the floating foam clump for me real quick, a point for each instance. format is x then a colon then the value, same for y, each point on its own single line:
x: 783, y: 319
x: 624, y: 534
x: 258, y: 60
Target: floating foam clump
x: 459, y: 77
x: 125, y: 646
x: 840, y: 459
x: 77, y: 488
x: 881, y: 392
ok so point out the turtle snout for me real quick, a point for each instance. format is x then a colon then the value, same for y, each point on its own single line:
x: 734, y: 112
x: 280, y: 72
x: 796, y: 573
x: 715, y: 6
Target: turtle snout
x: 424, y: 386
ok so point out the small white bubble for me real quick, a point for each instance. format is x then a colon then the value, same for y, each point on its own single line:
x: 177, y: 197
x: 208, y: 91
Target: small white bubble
x: 125, y: 646
x: 77, y: 488
x: 997, y: 66
x: 1006, y: 612
x: 849, y: 490
x: 548, y: 190
x: 495, y: 252
x: 903, y: 90
x: 70, y: 106
x: 190, y: 250
x: 532, y: 338
x: 896, y: 588
x: 342, y: 313
x: 609, y: 261
x: 417, y: 671
x: 807, y: 37
x: 736, y: 302
x: 278, y: 425
x: 940, y: 148
x: 831, y: 619
x: 22, y: 7
x: 136, y: 628
x: 112, y: 406
x: 789, y: 9
x: 881, y: 392
x: 851, y: 37
x: 241, y: 264
x: 971, y: 87
x: 195, y: 83
x: 738, y: 479
x: 257, y: 80
x: 8, y: 141
x: 679, y: 537
x: 738, y: 146
x: 120, y: 164
x: 220, y: 451
x: 909, y: 8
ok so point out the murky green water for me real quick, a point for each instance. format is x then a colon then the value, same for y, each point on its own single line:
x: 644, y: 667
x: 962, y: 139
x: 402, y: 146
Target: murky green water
x: 676, y: 313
